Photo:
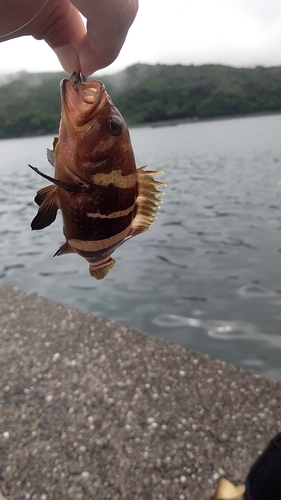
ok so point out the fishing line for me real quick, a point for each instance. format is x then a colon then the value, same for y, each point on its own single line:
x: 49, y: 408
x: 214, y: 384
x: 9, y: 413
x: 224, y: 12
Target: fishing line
x: 25, y: 24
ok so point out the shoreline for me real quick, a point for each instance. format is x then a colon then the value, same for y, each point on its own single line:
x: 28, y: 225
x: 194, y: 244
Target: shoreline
x: 167, y: 123
x: 93, y: 409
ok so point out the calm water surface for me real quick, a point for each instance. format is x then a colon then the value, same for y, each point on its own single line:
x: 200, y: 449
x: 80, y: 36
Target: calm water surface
x: 207, y: 275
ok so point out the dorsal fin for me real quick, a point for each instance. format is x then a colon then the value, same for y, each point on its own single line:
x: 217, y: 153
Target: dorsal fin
x: 147, y: 203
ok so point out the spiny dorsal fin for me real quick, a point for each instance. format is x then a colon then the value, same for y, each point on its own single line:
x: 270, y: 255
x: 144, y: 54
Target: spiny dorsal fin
x: 100, y: 272
x: 147, y: 203
x: 43, y: 193
x: 46, y: 213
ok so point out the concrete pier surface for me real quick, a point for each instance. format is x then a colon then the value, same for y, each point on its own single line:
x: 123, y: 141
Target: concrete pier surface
x: 90, y: 409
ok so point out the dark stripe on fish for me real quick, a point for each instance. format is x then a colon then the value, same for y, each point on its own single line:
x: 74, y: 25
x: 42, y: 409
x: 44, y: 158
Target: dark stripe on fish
x: 99, y: 229
x: 110, y: 199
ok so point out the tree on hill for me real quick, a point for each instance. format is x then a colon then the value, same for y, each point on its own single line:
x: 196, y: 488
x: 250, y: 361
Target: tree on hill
x: 30, y: 103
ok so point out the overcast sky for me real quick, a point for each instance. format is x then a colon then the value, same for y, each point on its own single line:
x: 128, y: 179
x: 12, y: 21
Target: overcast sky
x: 234, y: 32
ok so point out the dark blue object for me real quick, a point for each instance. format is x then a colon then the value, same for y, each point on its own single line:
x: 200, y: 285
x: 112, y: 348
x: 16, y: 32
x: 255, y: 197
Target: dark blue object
x: 264, y: 479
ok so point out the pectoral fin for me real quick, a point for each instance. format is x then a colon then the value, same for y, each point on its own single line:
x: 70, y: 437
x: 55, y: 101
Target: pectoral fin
x: 147, y: 203
x: 43, y: 193
x: 51, y: 152
x: 100, y: 272
x: 51, y: 157
x: 46, y: 213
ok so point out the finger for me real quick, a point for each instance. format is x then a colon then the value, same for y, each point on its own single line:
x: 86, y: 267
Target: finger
x: 59, y: 23
x: 14, y: 21
x: 61, y: 26
x: 108, y: 22
x: 63, y: 29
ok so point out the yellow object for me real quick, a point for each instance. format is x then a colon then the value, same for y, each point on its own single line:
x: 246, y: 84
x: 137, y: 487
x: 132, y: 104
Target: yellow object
x: 227, y: 491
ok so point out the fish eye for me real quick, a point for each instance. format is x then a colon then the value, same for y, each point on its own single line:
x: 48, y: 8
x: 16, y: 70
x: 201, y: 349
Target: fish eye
x: 115, y: 125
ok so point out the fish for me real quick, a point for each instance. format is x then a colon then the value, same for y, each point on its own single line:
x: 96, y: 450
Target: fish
x: 104, y: 199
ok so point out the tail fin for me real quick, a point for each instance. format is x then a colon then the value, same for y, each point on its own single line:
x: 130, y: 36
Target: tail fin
x: 100, y: 271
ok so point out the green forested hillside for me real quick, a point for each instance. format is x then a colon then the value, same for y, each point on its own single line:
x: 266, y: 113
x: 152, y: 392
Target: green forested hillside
x: 30, y: 103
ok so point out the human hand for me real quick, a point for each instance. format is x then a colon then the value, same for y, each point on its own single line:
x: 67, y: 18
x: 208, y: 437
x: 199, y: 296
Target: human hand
x: 60, y: 25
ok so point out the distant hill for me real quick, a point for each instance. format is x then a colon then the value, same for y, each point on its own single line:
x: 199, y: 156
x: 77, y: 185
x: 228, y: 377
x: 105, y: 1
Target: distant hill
x: 30, y: 103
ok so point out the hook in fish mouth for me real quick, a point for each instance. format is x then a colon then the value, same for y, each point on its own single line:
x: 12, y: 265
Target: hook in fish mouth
x: 77, y: 78
x: 82, y: 99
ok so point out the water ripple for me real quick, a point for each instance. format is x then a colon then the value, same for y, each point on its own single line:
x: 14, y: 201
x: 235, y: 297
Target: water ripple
x: 218, y: 229
x: 255, y: 291
x: 14, y: 266
x: 220, y: 330
x: 167, y: 261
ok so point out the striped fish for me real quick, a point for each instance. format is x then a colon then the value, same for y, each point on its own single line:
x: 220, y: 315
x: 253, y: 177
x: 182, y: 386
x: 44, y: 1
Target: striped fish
x: 103, y: 198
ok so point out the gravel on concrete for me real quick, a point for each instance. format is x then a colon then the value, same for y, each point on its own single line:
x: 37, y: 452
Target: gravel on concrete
x: 94, y: 410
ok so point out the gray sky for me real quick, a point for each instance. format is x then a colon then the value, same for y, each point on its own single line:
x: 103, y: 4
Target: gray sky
x: 234, y: 32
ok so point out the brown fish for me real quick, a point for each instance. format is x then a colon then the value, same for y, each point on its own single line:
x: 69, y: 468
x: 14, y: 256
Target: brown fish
x: 103, y: 198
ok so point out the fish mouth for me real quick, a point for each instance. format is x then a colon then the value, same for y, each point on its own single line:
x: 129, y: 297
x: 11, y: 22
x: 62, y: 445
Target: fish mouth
x: 82, y: 100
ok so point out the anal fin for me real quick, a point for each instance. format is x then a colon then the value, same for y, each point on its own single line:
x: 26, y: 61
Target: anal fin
x: 46, y: 213
x: 64, y: 249
x: 147, y: 203
x: 100, y: 272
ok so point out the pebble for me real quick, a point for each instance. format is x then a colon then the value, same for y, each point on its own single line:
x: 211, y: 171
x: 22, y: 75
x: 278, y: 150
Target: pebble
x: 97, y: 421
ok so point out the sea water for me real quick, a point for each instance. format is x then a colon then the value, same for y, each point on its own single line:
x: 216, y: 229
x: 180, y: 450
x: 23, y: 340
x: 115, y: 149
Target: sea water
x: 207, y: 275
